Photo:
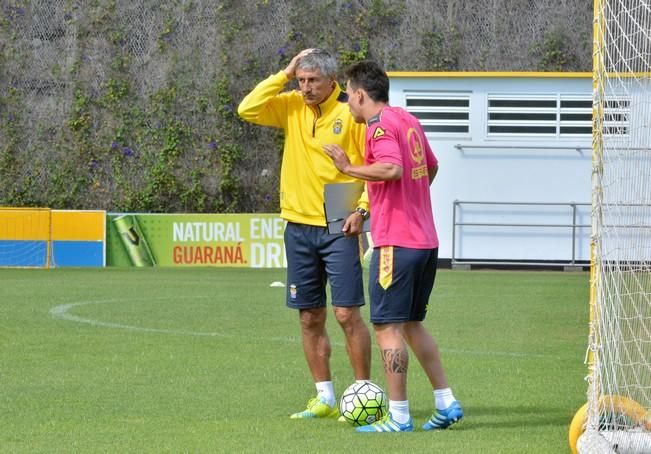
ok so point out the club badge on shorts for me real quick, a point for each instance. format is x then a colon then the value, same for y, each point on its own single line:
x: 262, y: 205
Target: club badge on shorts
x: 386, y: 266
x: 292, y: 291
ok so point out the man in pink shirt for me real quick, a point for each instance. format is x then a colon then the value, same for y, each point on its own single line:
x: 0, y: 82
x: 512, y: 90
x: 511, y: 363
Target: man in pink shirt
x: 399, y: 168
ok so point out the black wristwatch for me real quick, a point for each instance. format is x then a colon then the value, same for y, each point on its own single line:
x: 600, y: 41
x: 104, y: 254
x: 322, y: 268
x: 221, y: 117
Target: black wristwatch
x: 365, y: 214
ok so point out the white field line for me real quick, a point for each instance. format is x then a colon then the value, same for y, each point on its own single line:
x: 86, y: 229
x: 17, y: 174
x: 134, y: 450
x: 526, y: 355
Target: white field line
x: 63, y: 312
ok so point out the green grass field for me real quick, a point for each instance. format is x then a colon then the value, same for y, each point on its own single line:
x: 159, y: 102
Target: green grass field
x: 209, y: 360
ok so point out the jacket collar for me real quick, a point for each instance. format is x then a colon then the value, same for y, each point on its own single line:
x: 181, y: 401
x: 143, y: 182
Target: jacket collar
x: 337, y: 96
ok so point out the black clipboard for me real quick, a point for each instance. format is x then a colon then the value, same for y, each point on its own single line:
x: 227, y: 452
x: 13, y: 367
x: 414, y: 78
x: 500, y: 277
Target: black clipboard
x: 340, y: 200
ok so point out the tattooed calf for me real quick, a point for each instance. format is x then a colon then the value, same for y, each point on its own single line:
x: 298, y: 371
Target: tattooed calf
x: 395, y: 360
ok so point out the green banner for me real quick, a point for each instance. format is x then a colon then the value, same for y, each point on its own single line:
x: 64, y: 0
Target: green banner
x: 233, y: 240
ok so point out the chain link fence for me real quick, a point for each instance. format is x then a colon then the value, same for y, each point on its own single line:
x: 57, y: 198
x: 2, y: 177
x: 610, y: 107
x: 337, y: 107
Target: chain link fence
x: 129, y: 105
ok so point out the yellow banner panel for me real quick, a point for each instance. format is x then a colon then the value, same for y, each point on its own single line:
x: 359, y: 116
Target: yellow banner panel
x: 78, y: 225
x: 24, y: 224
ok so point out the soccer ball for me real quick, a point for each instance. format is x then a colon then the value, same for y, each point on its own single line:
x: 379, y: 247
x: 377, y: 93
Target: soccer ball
x: 363, y: 403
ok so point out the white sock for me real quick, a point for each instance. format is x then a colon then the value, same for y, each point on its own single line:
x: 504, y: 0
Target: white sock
x: 443, y: 398
x: 399, y: 410
x: 366, y: 380
x: 326, y: 391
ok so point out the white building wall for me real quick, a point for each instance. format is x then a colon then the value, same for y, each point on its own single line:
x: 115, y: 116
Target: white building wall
x: 530, y: 169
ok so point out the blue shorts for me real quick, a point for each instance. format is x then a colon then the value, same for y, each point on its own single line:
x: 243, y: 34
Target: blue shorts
x: 314, y: 258
x: 400, y: 283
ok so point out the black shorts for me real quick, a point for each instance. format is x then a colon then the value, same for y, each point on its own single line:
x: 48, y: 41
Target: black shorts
x: 400, y: 283
x: 314, y: 258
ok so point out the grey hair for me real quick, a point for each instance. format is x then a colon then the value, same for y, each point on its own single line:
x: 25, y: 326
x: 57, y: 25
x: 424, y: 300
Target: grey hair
x: 319, y: 59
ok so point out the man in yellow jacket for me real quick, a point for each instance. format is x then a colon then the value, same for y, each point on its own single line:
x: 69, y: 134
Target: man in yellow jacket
x: 314, y: 115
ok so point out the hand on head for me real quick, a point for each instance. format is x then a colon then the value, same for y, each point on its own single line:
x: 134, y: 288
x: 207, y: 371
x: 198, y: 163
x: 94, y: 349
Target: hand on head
x: 290, y: 70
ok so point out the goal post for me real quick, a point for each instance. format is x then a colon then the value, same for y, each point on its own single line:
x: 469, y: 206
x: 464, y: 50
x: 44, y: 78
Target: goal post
x: 617, y: 415
x: 25, y: 237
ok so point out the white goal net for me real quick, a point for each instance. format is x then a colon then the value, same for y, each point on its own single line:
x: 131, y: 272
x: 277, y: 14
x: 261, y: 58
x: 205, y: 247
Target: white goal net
x: 619, y: 384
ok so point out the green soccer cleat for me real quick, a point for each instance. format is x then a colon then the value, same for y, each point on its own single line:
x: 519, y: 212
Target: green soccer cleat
x: 317, y: 408
x: 442, y: 419
x: 387, y: 424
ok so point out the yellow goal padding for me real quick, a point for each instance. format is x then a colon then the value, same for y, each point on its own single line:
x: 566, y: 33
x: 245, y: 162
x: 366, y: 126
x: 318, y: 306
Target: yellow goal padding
x: 620, y: 405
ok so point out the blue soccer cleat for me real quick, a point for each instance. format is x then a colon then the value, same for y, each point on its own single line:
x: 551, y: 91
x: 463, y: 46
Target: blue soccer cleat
x: 387, y: 424
x: 442, y: 419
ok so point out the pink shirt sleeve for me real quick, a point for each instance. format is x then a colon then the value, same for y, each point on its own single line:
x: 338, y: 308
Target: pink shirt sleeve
x: 385, y: 145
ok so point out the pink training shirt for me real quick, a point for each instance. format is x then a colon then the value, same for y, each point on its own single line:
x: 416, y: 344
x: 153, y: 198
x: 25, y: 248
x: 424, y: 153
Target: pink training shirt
x: 401, y: 210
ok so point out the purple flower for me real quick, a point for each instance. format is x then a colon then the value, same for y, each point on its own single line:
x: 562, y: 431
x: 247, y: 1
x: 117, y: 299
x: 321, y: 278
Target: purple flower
x: 126, y: 151
x: 13, y: 11
x: 267, y: 197
x: 93, y: 164
x: 227, y: 108
x: 296, y: 36
x: 356, y: 47
x: 212, y: 144
x: 67, y: 16
x: 282, y: 52
x: 114, y: 145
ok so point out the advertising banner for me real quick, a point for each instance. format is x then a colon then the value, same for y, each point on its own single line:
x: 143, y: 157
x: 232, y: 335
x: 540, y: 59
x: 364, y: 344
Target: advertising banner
x: 221, y: 240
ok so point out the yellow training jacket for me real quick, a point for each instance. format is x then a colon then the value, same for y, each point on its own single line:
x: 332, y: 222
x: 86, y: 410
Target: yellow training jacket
x: 306, y: 167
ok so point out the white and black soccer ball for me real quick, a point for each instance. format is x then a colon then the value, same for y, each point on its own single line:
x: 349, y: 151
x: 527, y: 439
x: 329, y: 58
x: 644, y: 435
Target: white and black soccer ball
x: 363, y: 403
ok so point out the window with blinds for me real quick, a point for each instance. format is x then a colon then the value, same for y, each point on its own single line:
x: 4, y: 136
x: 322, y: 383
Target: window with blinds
x: 617, y: 117
x: 522, y: 115
x: 552, y: 115
x: 575, y: 116
x: 441, y: 114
